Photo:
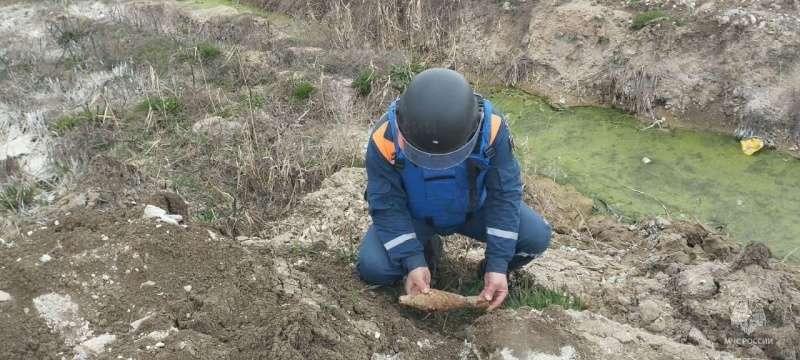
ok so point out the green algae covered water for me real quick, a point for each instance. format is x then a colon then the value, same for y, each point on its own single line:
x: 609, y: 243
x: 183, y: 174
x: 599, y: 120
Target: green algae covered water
x: 691, y: 175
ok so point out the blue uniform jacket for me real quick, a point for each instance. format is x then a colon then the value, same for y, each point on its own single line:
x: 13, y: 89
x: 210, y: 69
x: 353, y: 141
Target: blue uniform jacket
x: 388, y: 206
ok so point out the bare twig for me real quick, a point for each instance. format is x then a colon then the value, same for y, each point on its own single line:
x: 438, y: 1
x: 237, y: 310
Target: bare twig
x: 651, y: 197
x: 789, y: 255
x: 658, y: 123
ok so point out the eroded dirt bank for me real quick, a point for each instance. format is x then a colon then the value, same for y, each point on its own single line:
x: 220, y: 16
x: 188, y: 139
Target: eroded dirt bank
x: 725, y: 65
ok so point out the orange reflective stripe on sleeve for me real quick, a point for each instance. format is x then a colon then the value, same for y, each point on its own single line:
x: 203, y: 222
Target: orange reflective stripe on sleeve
x: 385, y: 146
x: 496, y: 122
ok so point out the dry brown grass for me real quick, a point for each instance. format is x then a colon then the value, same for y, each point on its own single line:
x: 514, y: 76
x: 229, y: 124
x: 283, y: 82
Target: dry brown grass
x: 632, y: 89
x: 422, y: 27
x: 242, y: 180
x: 238, y: 182
x: 519, y: 70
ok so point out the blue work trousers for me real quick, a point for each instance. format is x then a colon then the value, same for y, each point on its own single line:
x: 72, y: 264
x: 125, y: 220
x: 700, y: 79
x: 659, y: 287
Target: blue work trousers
x: 374, y: 265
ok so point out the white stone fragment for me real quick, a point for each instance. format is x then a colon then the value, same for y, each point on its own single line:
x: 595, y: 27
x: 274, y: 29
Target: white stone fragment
x: 94, y: 346
x: 155, y: 212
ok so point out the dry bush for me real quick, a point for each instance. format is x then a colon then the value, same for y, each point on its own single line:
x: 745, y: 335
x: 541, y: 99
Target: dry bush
x: 757, y: 122
x: 519, y: 70
x: 313, y: 9
x: 245, y: 31
x: 283, y: 152
x: 70, y: 33
x: 420, y: 26
x: 632, y: 89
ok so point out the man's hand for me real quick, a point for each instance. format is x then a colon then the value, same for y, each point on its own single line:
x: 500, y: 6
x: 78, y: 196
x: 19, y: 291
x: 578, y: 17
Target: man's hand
x: 495, y: 289
x: 418, y: 281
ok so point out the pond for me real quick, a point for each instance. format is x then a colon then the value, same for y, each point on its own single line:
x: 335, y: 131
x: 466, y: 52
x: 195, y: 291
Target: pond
x: 635, y: 172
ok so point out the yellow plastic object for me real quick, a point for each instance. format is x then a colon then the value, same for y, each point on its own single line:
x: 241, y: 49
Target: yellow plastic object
x: 752, y: 145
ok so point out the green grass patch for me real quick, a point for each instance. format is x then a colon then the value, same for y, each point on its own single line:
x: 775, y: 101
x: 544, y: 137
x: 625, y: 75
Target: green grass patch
x: 184, y: 182
x: 206, y: 216
x: 168, y: 105
x: 347, y: 254
x: 460, y: 278
x: 303, y: 90
x: 363, y: 83
x: 16, y: 196
x: 527, y: 294
x: 208, y: 51
x: 648, y: 17
x: 302, y: 250
x: 401, y: 75
x: 256, y: 100
x: 69, y: 122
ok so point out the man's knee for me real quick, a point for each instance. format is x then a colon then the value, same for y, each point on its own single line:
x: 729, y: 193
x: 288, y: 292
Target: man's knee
x: 376, y: 272
x: 541, y: 241
x: 536, y: 234
x: 373, y: 264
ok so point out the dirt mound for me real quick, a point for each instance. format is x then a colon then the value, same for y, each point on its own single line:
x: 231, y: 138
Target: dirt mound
x: 682, y: 281
x: 566, y: 208
x: 336, y: 214
x: 114, y: 282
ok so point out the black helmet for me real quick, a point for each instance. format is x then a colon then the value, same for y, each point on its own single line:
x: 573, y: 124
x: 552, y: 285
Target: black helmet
x: 438, y: 117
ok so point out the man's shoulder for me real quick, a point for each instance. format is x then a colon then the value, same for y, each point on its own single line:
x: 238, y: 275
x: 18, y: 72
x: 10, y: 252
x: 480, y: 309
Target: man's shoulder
x: 380, y: 139
x: 384, y: 119
x: 498, y: 113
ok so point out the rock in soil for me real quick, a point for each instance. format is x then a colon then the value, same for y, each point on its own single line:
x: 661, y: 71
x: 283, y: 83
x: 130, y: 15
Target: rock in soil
x: 559, y: 334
